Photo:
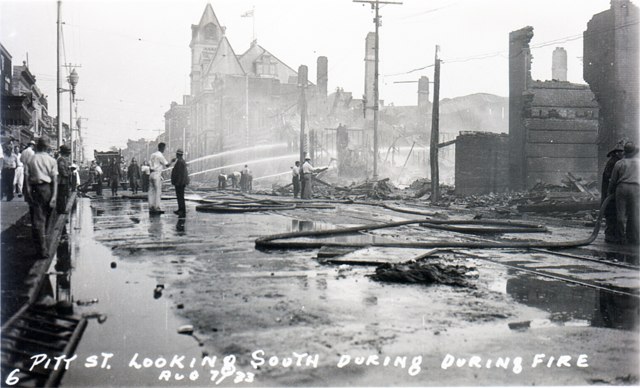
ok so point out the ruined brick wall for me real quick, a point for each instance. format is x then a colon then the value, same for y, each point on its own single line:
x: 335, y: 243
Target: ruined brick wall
x: 556, y: 147
x: 561, y: 121
x: 611, y: 70
x: 482, y: 163
x: 519, y: 80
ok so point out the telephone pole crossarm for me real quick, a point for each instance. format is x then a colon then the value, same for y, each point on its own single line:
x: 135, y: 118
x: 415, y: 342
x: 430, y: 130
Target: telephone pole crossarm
x: 377, y: 2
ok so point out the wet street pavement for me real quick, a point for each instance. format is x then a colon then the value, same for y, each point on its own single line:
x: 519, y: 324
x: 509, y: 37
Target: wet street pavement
x: 140, y: 279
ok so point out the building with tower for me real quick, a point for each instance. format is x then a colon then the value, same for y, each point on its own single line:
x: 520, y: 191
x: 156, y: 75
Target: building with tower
x: 240, y: 102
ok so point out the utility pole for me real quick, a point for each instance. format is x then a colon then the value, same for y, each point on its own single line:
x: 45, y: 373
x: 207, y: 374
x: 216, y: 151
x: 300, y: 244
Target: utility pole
x: 75, y: 139
x: 59, y: 75
x: 80, y: 150
x: 435, y: 131
x: 246, y: 112
x: 375, y: 5
x: 302, y: 84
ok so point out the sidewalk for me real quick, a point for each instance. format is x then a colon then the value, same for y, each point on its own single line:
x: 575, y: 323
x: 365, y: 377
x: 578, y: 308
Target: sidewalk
x: 11, y: 212
x: 18, y: 254
x: 21, y: 271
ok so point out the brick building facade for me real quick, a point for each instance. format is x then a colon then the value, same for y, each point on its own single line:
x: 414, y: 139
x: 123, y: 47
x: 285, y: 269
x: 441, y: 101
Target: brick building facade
x: 24, y: 108
x: 552, y: 124
x: 482, y: 163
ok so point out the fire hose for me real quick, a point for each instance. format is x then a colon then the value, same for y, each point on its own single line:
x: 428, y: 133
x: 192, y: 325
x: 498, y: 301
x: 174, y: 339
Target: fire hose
x: 272, y: 241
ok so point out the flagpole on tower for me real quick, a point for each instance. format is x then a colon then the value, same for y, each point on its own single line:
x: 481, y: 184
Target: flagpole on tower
x: 251, y: 14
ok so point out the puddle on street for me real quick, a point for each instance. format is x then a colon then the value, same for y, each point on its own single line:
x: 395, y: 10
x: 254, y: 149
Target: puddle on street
x: 575, y: 304
x: 121, y: 295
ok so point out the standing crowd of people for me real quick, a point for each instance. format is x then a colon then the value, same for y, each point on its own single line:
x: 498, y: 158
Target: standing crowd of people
x: 45, y: 181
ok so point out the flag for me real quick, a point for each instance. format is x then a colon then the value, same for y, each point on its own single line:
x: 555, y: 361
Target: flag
x: 248, y: 14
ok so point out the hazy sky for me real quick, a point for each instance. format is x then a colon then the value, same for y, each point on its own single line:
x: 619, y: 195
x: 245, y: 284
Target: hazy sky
x: 135, y: 57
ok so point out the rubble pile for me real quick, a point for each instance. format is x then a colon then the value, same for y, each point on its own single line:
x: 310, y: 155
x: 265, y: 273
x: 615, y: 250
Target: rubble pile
x: 378, y: 190
x: 574, y: 198
x: 420, y: 187
x: 382, y: 189
x: 420, y: 272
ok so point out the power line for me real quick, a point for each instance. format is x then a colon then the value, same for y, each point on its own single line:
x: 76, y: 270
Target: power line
x: 503, y: 52
x: 125, y: 36
x: 428, y: 11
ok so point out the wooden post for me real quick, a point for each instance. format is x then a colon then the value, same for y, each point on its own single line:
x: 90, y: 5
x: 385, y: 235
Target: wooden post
x: 302, y: 104
x: 375, y: 5
x: 435, y: 131
x: 376, y: 96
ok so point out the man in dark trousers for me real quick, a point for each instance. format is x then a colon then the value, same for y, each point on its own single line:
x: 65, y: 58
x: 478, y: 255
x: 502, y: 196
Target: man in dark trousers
x: 41, y: 180
x: 180, y: 179
x: 133, y: 173
x: 624, y: 184
x: 611, y: 232
x: 114, y: 176
x: 64, y: 179
x: 295, y: 179
x: 98, y: 175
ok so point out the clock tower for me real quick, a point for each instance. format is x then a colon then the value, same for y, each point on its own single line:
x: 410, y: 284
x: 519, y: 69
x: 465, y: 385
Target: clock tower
x: 205, y: 38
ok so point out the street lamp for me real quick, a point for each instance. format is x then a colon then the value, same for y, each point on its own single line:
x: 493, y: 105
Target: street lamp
x: 73, y: 81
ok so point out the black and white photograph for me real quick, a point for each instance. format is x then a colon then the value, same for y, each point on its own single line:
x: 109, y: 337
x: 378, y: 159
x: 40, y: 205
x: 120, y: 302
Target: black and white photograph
x: 319, y: 193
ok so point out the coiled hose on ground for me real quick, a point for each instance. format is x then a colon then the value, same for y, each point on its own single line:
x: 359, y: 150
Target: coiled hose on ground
x: 272, y: 241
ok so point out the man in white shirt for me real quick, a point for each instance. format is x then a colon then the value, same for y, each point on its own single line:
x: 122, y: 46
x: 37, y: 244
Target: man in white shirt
x: 27, y: 152
x: 145, y: 171
x: 9, y: 165
x: 18, y: 179
x: 99, y: 174
x: 75, y: 180
x: 307, y: 188
x: 41, y: 183
x: 157, y: 163
x: 295, y: 179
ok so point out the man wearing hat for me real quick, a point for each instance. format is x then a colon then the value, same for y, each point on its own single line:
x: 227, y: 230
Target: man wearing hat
x: 624, y: 183
x: 18, y: 179
x: 28, y: 152
x: 9, y: 165
x: 133, y: 173
x: 180, y: 179
x: 64, y: 179
x: 41, y: 183
x: 611, y: 232
x: 306, y: 171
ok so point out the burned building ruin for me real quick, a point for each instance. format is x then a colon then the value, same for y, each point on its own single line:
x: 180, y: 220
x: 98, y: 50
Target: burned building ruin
x: 611, y: 70
x: 552, y: 124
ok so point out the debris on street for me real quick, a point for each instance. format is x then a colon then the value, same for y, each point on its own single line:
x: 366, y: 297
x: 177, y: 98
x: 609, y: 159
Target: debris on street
x: 427, y: 273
